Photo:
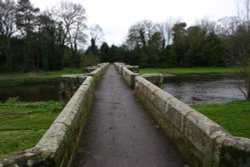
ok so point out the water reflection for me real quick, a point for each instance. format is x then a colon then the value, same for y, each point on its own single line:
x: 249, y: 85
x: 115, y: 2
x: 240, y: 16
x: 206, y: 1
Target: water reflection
x: 205, y: 89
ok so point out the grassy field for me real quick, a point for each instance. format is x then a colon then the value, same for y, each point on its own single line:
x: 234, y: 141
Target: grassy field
x: 195, y: 70
x: 14, y: 79
x: 23, y: 124
x: 233, y: 116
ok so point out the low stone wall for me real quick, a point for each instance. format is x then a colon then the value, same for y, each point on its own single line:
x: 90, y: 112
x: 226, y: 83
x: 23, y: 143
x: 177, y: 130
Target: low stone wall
x: 156, y: 79
x: 134, y: 69
x: 119, y: 66
x: 129, y: 76
x: 69, y: 84
x: 58, y: 145
x: 235, y: 151
x: 202, y: 142
x: 130, y: 72
x: 97, y: 74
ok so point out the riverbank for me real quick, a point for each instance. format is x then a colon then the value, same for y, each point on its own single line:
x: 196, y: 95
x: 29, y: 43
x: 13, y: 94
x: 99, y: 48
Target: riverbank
x: 195, y: 70
x: 15, y: 79
x: 22, y: 124
x: 233, y: 116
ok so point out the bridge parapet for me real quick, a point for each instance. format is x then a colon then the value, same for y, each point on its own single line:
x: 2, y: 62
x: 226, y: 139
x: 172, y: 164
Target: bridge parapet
x: 120, y: 66
x: 98, y: 73
x: 69, y: 84
x: 156, y: 79
x: 129, y: 76
x: 58, y: 145
x: 202, y: 142
x: 130, y: 72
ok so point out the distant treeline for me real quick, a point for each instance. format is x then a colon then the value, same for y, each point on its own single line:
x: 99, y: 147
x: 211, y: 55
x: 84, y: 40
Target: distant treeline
x: 33, y: 40
x: 173, y: 44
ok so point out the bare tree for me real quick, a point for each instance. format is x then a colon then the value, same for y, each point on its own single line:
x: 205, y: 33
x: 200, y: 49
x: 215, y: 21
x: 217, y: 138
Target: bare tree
x: 166, y: 30
x: 247, y: 10
x: 7, y: 29
x: 26, y: 16
x: 243, y: 9
x: 71, y: 18
x: 140, y: 33
x: 241, y: 41
x: 207, y: 25
x: 7, y: 18
x: 96, y: 33
x: 240, y: 47
x: 228, y: 25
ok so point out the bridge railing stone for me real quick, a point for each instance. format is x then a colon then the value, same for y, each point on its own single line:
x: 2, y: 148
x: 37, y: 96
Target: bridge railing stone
x: 202, y: 142
x: 130, y: 72
x: 69, y: 84
x: 119, y: 66
x: 129, y: 76
x: 58, y: 145
x: 156, y: 79
x: 97, y: 74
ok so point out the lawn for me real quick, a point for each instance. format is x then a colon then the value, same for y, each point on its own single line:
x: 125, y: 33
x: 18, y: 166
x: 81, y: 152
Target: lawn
x: 233, y: 116
x: 13, y: 79
x: 195, y: 70
x: 23, y: 124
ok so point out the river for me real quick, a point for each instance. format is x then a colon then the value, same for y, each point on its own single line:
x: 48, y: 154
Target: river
x: 31, y: 93
x: 195, y: 89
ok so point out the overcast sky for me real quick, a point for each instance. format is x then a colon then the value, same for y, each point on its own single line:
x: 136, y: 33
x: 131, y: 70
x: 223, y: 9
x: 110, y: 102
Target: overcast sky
x: 116, y: 16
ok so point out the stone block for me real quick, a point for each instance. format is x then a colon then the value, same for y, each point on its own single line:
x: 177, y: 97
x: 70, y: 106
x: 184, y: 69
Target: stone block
x: 201, y: 132
x: 137, y: 84
x: 160, y: 99
x: 235, y: 152
x: 129, y: 77
x: 175, y: 112
x: 134, y: 69
x: 143, y: 86
x: 89, y: 69
x: 167, y: 127
x: 191, y: 154
x: 217, y: 148
x: 148, y: 103
x: 150, y: 90
x: 147, y: 88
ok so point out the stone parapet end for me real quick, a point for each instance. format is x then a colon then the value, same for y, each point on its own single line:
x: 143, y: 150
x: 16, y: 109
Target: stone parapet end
x: 97, y: 74
x: 129, y: 76
x: 233, y: 151
x: 156, y: 79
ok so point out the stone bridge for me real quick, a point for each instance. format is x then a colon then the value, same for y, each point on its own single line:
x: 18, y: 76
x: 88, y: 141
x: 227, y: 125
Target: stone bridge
x: 132, y: 124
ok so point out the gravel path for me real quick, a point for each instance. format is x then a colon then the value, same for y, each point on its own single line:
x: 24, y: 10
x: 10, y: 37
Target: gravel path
x: 120, y: 133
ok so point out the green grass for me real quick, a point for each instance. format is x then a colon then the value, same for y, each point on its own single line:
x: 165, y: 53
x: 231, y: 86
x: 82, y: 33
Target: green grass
x: 195, y: 70
x: 13, y: 79
x: 23, y: 124
x: 233, y: 116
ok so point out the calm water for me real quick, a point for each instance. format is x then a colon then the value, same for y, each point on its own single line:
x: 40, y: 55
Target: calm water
x: 205, y: 89
x: 37, y: 92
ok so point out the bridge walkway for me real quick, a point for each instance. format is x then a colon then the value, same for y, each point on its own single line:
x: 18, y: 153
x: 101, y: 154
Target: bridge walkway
x: 120, y: 133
